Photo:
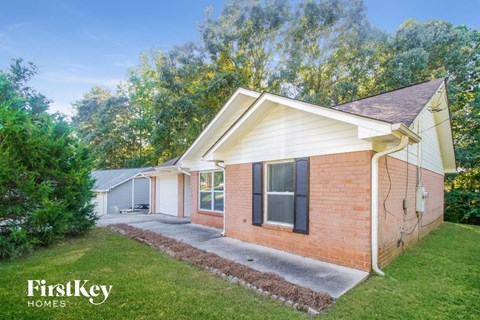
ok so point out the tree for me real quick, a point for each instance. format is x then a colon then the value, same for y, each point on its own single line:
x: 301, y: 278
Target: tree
x: 422, y: 51
x: 116, y: 128
x: 45, y: 183
x: 325, y: 52
x: 329, y: 52
x: 245, y: 39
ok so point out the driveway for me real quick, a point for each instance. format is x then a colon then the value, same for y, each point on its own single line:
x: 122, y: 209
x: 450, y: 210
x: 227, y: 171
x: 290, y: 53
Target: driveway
x: 310, y: 273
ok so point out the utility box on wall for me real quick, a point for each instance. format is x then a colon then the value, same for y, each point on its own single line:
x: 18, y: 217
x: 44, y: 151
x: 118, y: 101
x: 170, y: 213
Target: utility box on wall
x: 421, y: 197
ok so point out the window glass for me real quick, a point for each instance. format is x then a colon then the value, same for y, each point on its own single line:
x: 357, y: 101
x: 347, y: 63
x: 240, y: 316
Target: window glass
x: 211, y: 191
x: 205, y: 181
x: 280, y: 177
x: 205, y: 200
x: 218, y: 181
x: 280, y: 197
x: 280, y: 208
x: 218, y: 202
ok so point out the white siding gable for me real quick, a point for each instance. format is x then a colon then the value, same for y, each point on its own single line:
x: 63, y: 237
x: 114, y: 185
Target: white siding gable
x: 289, y: 133
x: 234, y: 113
x: 428, y: 148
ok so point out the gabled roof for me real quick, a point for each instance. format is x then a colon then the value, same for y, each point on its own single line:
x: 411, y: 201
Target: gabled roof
x: 381, y: 118
x: 397, y: 106
x: 267, y: 101
x: 109, y: 179
x: 240, y: 100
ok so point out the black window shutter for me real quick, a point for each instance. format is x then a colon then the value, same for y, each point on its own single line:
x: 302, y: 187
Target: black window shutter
x: 302, y: 174
x: 257, y: 202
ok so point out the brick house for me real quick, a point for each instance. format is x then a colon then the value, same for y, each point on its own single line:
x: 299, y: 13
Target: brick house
x: 353, y: 185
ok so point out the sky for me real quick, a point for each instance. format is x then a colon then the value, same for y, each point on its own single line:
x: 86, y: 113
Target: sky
x: 77, y: 44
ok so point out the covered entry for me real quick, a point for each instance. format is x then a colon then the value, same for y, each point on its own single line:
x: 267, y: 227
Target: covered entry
x: 166, y: 194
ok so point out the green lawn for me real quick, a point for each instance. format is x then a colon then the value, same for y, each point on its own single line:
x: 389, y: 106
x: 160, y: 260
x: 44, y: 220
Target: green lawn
x: 147, y: 284
x: 439, y: 278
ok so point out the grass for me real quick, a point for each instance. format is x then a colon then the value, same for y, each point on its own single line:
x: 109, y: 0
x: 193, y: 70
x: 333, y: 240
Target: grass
x: 438, y: 278
x: 147, y: 284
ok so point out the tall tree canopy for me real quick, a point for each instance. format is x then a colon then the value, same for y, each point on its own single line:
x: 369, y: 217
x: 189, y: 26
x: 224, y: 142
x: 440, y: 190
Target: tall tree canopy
x: 321, y: 51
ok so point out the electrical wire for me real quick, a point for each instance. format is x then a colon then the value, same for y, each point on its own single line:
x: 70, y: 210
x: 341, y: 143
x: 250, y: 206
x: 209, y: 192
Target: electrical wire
x: 409, y: 233
x: 436, y: 125
x: 389, y: 190
x: 431, y: 222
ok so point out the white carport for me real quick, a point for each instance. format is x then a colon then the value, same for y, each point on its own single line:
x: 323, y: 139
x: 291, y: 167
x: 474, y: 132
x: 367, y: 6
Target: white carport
x: 120, y: 189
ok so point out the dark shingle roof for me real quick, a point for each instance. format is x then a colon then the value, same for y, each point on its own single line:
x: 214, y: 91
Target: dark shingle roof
x: 168, y: 163
x: 107, y: 179
x: 397, y: 106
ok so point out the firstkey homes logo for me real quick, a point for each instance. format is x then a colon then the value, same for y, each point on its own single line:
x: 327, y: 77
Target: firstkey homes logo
x: 96, y: 294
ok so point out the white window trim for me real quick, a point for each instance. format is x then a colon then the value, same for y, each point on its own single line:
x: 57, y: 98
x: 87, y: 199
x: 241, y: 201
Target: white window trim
x: 265, y: 200
x: 212, y: 172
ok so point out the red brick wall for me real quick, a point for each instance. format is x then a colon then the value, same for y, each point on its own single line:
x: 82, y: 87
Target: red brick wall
x: 399, y: 229
x: 339, y: 211
x: 211, y: 219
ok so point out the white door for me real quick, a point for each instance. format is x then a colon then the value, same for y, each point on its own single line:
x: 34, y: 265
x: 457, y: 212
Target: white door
x: 99, y: 204
x: 166, y: 201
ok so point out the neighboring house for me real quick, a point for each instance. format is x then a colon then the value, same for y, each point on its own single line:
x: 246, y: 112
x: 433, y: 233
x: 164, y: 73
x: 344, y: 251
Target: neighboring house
x: 119, y: 189
x: 352, y: 185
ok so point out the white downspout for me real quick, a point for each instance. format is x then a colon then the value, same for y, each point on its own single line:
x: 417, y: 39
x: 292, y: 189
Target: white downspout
x: 217, y: 164
x: 374, y: 204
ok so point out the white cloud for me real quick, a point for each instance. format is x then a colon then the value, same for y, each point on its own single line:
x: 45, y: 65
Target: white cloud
x: 62, y: 107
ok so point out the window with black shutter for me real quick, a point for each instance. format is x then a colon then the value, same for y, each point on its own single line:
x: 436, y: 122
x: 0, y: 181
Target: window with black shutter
x: 302, y: 168
x: 257, y: 202
x: 280, y: 194
x: 286, y: 193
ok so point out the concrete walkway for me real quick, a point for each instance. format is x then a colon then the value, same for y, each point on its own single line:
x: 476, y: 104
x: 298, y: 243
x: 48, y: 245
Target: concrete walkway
x: 310, y: 273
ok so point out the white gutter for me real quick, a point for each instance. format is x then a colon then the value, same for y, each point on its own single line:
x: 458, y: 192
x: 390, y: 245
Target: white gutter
x: 183, y: 171
x: 222, y: 167
x: 374, y: 204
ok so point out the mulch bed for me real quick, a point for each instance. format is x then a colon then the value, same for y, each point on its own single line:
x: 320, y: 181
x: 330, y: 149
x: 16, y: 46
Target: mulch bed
x: 267, y: 283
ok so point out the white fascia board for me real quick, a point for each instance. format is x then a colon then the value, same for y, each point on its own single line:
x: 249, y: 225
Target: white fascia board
x: 140, y: 174
x: 444, y: 128
x: 406, y: 131
x: 445, y: 138
x: 239, y: 91
x: 239, y: 123
x: 147, y: 173
x: 368, y: 133
x: 383, y: 127
x: 158, y: 171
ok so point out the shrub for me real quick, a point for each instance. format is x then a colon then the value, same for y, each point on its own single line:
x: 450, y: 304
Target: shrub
x: 462, y: 206
x: 45, y: 183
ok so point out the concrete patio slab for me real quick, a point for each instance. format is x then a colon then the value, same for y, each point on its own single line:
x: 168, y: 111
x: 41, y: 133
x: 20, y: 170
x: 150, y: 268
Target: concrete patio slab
x: 310, y: 273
